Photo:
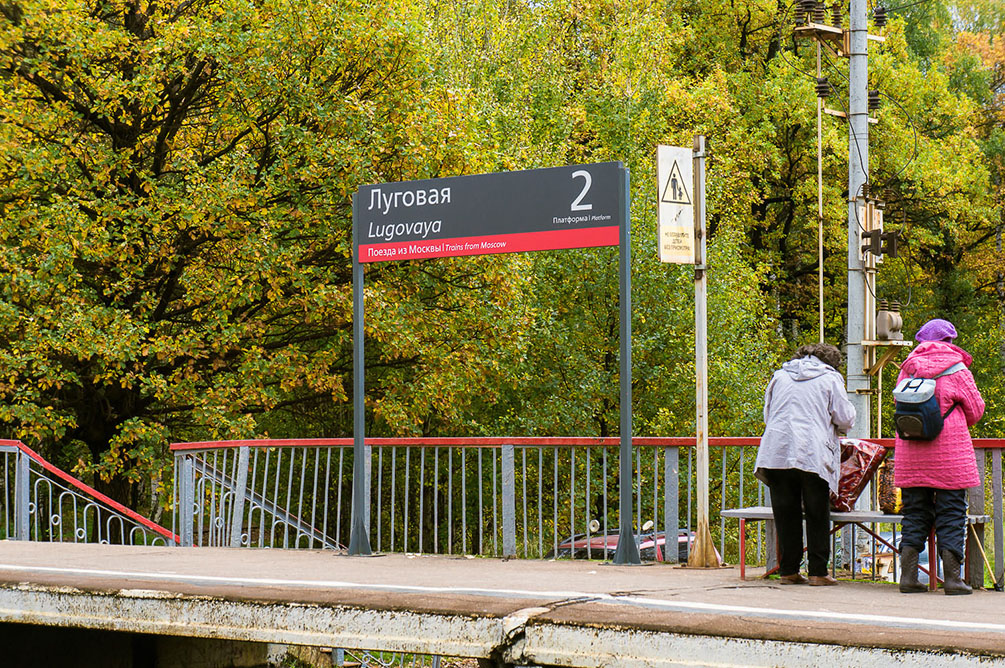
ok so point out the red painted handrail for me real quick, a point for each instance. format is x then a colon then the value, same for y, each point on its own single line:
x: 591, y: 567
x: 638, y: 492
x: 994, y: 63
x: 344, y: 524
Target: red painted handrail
x: 70, y: 480
x: 474, y: 442
x: 497, y: 441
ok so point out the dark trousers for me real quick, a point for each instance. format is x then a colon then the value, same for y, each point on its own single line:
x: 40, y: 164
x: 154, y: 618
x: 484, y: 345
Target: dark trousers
x: 945, y: 509
x: 794, y: 492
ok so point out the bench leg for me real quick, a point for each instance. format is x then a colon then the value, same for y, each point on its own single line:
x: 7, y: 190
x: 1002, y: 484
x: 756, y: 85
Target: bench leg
x: 835, y: 527
x: 933, y: 563
x: 771, y: 546
x: 743, y: 548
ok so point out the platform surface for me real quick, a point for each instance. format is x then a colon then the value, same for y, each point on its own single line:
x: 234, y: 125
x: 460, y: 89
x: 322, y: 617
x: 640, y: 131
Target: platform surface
x: 657, y: 598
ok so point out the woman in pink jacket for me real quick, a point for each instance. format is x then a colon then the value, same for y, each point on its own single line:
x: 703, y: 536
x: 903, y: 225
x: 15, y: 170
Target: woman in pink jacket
x: 934, y: 475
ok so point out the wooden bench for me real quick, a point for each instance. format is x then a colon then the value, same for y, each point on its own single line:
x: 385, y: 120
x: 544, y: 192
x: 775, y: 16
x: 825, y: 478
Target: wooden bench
x: 860, y: 518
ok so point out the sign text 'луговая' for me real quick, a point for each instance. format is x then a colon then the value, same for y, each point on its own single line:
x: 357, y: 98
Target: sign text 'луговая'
x: 577, y: 206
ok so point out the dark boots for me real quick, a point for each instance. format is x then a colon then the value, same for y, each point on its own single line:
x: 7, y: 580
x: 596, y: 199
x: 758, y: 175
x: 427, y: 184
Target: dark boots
x: 952, y: 582
x: 909, y: 572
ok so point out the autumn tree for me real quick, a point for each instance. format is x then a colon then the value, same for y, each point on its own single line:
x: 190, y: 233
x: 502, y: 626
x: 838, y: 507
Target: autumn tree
x: 569, y: 82
x: 175, y: 191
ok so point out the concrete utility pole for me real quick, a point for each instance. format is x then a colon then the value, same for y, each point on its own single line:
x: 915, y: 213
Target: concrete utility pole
x: 858, y: 176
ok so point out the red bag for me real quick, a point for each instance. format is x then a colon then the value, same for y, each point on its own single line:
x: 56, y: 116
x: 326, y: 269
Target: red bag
x: 859, y: 461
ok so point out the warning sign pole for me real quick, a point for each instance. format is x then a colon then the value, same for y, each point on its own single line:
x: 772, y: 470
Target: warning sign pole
x: 681, y: 240
x: 702, y: 552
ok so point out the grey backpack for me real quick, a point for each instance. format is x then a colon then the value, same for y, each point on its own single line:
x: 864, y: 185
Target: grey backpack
x: 916, y: 413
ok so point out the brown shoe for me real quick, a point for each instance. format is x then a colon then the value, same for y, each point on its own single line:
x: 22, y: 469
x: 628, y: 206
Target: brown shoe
x: 822, y: 581
x: 794, y: 579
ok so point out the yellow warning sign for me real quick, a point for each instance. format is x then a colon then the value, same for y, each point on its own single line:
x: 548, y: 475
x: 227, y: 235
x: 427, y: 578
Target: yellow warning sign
x: 675, y: 231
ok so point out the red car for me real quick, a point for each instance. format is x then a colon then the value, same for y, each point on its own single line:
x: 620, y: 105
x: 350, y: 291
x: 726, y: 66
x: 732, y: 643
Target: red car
x: 652, y: 545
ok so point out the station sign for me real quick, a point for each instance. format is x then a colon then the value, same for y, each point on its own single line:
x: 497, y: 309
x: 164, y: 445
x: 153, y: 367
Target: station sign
x: 576, y: 206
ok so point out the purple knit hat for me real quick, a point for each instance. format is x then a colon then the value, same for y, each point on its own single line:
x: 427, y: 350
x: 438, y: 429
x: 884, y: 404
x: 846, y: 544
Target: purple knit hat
x: 936, y: 329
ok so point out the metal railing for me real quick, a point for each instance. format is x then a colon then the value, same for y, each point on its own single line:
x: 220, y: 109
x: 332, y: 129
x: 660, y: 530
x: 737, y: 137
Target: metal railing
x: 261, y: 493
x: 530, y: 497
x: 523, y: 497
x: 988, y: 496
x: 41, y: 502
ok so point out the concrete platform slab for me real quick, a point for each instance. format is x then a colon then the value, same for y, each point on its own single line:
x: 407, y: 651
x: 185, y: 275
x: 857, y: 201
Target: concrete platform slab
x: 518, y: 611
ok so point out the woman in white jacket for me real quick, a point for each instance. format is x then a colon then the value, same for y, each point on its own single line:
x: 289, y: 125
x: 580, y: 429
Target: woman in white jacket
x: 805, y: 409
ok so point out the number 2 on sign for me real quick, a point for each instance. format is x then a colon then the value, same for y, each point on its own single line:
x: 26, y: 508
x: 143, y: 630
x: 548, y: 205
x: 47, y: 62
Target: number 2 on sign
x: 576, y: 206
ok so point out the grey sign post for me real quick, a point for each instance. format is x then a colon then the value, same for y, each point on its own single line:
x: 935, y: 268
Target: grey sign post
x: 628, y: 550
x: 359, y: 534
x: 578, y: 206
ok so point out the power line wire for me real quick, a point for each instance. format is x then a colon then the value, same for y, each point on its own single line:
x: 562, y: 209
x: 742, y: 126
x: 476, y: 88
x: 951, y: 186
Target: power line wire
x: 910, y: 4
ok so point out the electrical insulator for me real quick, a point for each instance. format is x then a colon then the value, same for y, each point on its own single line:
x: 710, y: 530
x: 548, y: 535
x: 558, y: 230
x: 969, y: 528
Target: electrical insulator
x: 800, y: 15
x: 865, y: 190
x: 873, y: 242
x: 836, y: 14
x: 879, y: 17
x: 891, y: 243
x: 806, y: 8
x: 873, y: 100
x: 819, y: 12
x: 889, y: 322
x: 823, y: 87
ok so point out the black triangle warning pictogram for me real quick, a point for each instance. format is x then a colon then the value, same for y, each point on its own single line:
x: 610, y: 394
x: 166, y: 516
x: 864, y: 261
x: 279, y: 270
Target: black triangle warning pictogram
x: 675, y: 192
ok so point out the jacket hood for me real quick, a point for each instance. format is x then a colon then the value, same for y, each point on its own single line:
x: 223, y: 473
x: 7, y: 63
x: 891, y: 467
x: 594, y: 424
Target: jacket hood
x: 807, y: 367
x: 934, y: 357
